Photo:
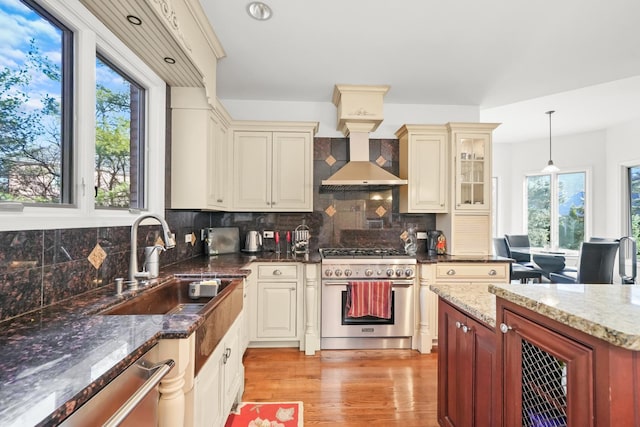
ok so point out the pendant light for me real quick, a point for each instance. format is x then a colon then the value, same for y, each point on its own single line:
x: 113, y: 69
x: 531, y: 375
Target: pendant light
x: 550, y: 166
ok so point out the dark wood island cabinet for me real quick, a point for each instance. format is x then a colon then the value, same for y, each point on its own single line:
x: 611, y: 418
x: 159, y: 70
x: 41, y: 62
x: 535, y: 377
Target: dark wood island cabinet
x: 555, y: 375
x: 467, y: 377
x: 538, y: 355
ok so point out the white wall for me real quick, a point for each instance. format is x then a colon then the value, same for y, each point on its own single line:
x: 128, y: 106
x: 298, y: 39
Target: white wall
x: 601, y: 152
x: 395, y: 115
x: 623, y: 149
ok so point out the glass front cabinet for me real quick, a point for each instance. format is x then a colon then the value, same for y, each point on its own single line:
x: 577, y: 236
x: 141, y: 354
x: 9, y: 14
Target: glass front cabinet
x: 472, y: 165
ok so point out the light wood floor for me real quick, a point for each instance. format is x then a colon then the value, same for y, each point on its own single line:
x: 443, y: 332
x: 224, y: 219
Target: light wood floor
x: 347, y: 387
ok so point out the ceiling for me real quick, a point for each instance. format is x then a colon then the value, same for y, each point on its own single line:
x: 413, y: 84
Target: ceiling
x: 514, y: 59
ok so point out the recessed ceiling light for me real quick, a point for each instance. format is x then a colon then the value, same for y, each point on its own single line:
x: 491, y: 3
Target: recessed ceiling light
x: 134, y: 20
x: 169, y: 60
x: 259, y: 10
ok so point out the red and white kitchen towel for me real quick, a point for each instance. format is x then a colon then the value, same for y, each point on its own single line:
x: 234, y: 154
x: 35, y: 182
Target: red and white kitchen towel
x: 370, y: 298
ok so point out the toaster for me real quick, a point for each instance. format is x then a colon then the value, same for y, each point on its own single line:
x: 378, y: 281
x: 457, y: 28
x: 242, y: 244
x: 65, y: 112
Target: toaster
x: 206, y: 288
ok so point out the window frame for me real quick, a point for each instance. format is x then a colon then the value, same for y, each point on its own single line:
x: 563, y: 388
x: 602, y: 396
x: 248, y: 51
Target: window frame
x: 626, y: 227
x: 90, y: 37
x: 554, y: 238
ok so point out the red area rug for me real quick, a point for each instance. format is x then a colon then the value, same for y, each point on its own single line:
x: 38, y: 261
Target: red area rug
x: 266, y: 414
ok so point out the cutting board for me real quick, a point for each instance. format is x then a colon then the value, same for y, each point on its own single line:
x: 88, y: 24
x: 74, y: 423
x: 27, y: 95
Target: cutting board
x: 224, y: 240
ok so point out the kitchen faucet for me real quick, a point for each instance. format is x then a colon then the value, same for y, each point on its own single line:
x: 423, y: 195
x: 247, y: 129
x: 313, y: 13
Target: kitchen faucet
x: 169, y: 242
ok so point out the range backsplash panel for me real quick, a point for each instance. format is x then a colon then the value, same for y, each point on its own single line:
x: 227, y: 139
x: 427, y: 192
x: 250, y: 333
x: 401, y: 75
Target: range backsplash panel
x: 342, y: 218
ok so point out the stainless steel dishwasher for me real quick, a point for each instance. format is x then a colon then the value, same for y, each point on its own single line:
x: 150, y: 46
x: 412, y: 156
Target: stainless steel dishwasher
x: 131, y: 399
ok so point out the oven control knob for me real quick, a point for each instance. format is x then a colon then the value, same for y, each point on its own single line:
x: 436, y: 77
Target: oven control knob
x: 390, y: 272
x: 338, y: 272
x: 399, y: 272
x: 408, y: 272
x: 368, y: 272
x: 328, y: 272
x: 347, y: 272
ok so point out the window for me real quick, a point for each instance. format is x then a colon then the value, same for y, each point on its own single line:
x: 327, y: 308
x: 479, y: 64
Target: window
x: 633, y: 202
x: 556, y: 209
x: 35, y: 107
x: 119, y: 138
x: 82, y: 125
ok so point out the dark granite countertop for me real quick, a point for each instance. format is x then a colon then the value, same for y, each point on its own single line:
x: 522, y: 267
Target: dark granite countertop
x: 57, y: 358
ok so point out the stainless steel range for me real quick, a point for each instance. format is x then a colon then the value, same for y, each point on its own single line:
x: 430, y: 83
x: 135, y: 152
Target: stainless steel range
x: 373, y: 269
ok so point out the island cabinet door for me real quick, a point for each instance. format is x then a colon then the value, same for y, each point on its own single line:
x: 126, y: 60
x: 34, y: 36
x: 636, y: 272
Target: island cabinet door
x: 466, y: 370
x: 548, y: 377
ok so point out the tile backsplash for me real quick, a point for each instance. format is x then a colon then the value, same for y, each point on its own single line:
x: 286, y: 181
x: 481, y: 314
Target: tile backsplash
x: 42, y: 267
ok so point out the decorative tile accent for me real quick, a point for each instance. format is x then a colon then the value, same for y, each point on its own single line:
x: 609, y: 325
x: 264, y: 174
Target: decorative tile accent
x: 159, y: 242
x: 381, y: 161
x: 330, y: 160
x: 193, y: 239
x: 381, y: 211
x: 331, y: 211
x: 97, y: 256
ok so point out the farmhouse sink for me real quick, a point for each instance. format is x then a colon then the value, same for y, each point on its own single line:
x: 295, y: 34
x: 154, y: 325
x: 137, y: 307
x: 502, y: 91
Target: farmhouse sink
x: 218, y: 313
x: 169, y: 298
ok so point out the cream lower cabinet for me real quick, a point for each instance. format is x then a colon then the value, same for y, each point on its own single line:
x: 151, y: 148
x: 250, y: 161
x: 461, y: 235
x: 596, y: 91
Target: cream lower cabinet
x: 427, y: 310
x: 423, y: 162
x: 472, y: 272
x: 449, y: 272
x: 273, y: 166
x: 220, y: 382
x: 200, y: 152
x: 276, y: 305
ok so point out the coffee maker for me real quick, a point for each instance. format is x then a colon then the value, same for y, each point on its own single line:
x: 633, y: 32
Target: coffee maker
x: 433, y: 236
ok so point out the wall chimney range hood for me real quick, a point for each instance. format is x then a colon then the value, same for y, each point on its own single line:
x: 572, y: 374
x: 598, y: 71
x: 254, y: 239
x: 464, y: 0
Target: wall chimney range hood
x: 359, y: 113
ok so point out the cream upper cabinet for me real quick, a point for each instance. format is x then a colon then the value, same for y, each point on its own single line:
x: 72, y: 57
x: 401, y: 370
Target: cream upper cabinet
x: 472, y: 165
x: 199, y: 151
x: 467, y: 224
x: 423, y: 163
x: 219, y: 161
x: 273, y: 166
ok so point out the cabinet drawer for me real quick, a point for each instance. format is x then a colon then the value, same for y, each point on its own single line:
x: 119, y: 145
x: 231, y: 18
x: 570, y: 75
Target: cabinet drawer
x: 278, y: 271
x: 493, y: 272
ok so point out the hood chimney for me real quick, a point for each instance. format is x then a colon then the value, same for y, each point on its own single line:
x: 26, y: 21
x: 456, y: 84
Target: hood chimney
x: 359, y: 113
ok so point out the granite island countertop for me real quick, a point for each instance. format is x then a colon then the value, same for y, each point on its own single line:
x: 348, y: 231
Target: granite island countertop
x: 471, y: 298
x: 608, y: 312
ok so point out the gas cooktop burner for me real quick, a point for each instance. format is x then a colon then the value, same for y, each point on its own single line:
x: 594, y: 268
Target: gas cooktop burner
x: 341, y: 253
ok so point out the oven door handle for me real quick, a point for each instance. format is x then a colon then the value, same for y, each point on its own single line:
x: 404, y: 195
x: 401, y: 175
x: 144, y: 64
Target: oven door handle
x: 404, y: 283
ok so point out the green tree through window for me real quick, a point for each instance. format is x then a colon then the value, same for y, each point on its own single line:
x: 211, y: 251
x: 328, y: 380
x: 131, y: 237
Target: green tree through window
x: 634, y: 203
x: 556, y: 210
x: 32, y: 118
x: 119, y: 138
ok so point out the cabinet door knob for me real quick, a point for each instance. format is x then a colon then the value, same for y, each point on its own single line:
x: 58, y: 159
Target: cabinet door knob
x: 465, y: 329
x: 451, y: 272
x: 504, y: 328
x: 458, y: 325
x: 492, y: 272
x: 277, y: 273
x: 219, y: 200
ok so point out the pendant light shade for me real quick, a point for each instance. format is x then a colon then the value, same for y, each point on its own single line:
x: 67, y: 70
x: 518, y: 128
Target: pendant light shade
x: 550, y: 166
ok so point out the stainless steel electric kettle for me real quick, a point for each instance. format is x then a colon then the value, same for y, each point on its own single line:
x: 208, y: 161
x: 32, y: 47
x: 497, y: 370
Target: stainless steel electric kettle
x: 253, y: 242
